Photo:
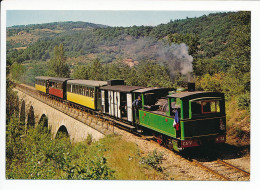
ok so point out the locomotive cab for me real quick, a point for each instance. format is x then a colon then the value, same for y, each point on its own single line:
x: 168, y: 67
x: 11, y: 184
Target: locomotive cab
x: 202, y: 118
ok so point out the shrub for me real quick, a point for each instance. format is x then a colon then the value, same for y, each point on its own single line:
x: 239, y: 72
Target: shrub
x: 89, y: 139
x: 243, y: 101
x: 154, y: 159
x: 239, y: 132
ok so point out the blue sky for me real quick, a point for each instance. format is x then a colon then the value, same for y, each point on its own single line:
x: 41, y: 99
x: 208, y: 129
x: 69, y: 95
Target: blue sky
x: 111, y: 18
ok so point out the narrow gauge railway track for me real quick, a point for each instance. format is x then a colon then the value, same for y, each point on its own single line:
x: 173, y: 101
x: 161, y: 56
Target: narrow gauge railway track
x: 223, y: 170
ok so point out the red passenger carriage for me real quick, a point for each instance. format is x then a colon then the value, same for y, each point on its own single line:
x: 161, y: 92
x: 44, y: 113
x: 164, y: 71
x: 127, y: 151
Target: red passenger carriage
x: 57, y: 87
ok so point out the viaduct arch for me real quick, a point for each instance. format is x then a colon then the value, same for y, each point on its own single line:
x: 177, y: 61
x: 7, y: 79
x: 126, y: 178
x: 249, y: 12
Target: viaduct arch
x: 36, y: 111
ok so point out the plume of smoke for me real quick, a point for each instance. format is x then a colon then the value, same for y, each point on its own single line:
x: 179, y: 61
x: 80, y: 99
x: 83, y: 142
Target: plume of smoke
x: 175, y: 57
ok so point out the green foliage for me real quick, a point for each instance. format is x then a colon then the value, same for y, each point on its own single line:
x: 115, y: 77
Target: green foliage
x: 96, y: 70
x: 12, y: 101
x: 145, y: 74
x: 58, y: 66
x: 154, y: 159
x: 95, y: 168
x: 150, y: 74
x: 191, y: 40
x: 34, y: 69
x: 243, y: 101
x: 211, y: 83
x: 17, y: 71
x: 32, y: 154
x: 81, y: 72
x: 221, y: 82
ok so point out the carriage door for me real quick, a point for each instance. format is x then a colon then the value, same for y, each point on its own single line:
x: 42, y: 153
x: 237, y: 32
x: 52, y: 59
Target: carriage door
x: 117, y: 104
x: 103, y: 104
x: 47, y: 86
x: 111, y: 103
x: 129, y: 107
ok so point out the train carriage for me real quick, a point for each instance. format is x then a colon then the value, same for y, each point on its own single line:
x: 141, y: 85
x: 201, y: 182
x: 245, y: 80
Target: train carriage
x: 85, y: 92
x: 117, y: 101
x: 57, y: 86
x: 41, y: 83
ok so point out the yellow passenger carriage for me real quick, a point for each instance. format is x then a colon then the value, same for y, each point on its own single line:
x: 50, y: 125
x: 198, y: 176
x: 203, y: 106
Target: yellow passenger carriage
x: 85, y: 92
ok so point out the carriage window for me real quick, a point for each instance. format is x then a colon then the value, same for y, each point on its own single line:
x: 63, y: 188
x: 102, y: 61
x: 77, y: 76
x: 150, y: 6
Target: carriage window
x: 40, y: 82
x: 91, y: 95
x: 86, y: 91
x: 81, y: 90
x: 210, y: 106
x: 205, y: 107
x: 77, y: 89
x: 60, y: 86
x: 90, y: 92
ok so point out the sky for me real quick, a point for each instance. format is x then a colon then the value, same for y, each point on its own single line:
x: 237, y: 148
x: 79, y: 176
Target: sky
x: 110, y: 18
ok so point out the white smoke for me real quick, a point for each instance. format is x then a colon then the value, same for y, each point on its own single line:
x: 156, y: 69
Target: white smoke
x: 175, y: 57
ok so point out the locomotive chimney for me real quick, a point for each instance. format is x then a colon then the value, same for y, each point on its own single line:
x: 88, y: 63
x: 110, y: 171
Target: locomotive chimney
x: 191, y: 86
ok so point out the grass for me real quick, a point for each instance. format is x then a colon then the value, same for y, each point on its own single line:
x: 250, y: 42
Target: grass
x: 125, y: 159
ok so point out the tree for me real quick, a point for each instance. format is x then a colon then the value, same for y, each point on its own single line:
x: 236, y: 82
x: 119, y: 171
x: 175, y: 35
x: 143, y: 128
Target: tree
x: 17, y: 71
x: 58, y: 66
x: 81, y: 72
x: 96, y: 70
x: 191, y: 40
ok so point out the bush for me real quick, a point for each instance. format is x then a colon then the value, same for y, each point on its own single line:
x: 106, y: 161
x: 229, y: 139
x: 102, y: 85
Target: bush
x: 89, y: 139
x: 243, y: 101
x: 154, y: 159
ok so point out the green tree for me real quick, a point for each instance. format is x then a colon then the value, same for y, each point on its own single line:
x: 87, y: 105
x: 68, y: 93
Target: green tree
x: 58, y: 66
x: 12, y: 101
x: 82, y: 72
x: 96, y: 70
x: 191, y: 40
x: 17, y: 71
x: 151, y: 74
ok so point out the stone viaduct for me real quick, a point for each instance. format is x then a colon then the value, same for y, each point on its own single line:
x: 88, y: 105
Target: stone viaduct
x: 62, y: 118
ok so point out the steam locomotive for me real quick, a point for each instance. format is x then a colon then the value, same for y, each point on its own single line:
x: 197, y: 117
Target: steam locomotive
x: 176, y: 119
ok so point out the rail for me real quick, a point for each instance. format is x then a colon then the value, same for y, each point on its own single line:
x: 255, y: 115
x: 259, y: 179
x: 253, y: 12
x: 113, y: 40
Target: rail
x: 223, y: 170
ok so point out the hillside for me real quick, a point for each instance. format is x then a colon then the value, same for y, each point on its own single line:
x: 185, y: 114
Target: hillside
x: 109, y: 43
x: 21, y: 36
